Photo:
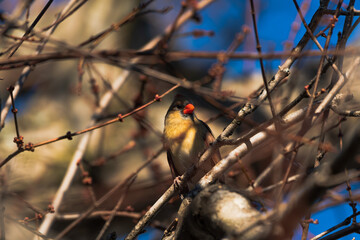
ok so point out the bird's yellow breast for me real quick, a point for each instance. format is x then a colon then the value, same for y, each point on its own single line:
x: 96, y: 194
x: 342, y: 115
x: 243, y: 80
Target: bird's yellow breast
x: 183, y: 139
x: 176, y: 126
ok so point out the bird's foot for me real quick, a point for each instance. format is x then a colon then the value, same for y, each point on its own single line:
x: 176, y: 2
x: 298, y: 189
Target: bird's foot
x: 182, y: 188
x: 177, y: 183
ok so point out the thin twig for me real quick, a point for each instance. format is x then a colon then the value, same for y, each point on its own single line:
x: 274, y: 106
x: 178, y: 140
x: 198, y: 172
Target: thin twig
x: 11, y: 156
x: 346, y: 113
x: 347, y: 221
x: 120, y: 118
x: 258, y: 48
x: 96, y: 39
x: 295, y: 26
x: 30, y: 229
x: 29, y: 205
x: 66, y: 14
x: 14, y: 111
x: 37, y: 19
x: 217, y: 70
x: 114, y: 211
x: 280, y: 183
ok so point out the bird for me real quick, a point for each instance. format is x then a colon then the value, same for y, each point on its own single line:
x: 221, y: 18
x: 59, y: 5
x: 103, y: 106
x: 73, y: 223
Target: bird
x: 186, y: 138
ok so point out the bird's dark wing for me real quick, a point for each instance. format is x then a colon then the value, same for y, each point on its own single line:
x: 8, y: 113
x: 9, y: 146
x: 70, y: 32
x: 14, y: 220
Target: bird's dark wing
x: 207, y: 127
x: 209, y: 138
x: 174, y: 173
x: 216, y: 157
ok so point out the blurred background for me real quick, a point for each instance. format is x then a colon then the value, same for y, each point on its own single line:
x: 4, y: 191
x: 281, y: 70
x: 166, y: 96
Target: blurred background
x: 59, y: 96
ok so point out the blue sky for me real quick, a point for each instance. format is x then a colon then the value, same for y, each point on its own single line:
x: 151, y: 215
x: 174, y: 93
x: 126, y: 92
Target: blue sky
x: 227, y: 17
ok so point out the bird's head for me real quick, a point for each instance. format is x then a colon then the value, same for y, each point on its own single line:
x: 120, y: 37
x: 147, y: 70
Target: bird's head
x: 183, y: 106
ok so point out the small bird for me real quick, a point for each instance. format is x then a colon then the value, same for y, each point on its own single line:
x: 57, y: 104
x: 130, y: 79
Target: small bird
x: 186, y: 138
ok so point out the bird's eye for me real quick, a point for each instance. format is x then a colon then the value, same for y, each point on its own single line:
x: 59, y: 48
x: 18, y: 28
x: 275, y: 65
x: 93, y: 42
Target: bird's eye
x: 178, y: 106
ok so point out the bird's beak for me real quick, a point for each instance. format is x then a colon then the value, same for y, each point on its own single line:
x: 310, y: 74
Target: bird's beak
x: 189, y: 109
